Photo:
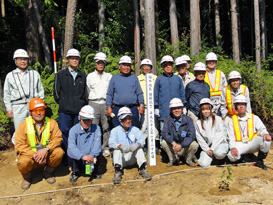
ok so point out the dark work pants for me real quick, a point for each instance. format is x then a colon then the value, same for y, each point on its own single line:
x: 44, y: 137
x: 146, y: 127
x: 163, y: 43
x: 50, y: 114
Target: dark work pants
x: 135, y: 116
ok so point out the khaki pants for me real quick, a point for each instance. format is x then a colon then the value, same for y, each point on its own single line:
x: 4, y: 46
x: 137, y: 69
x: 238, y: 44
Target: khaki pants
x: 25, y: 164
x: 193, y: 117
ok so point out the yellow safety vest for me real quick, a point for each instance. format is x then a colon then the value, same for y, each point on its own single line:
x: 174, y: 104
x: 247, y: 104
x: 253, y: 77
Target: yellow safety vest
x: 32, y: 136
x: 191, y: 74
x: 250, y: 128
x: 214, y: 91
x: 229, y: 102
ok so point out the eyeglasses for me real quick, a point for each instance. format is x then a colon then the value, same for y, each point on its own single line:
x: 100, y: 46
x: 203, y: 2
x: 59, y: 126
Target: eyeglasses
x: 39, y: 110
x: 22, y: 59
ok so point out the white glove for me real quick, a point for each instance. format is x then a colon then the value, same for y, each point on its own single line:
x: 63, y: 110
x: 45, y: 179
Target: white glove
x: 134, y: 147
x: 157, y: 113
x: 125, y: 148
x: 184, y: 111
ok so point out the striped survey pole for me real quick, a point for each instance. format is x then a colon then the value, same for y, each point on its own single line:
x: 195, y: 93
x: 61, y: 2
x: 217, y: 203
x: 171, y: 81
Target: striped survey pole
x: 54, y: 51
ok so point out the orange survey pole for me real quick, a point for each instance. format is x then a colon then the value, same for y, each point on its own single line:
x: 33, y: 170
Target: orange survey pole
x: 54, y: 51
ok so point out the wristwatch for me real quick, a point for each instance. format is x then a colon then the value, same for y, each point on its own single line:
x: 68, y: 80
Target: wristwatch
x: 47, y: 149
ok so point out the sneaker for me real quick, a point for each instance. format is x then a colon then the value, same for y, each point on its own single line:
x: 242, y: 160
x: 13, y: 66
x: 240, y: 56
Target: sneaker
x: 117, y: 177
x: 192, y: 164
x: 106, y: 153
x: 74, y: 177
x: 145, y: 174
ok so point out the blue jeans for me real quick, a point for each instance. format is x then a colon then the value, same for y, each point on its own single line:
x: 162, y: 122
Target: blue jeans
x: 135, y: 116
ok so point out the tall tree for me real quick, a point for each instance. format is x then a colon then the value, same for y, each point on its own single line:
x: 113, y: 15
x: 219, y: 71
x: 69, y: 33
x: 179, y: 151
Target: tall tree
x: 69, y: 27
x: 235, y: 33
x: 263, y: 30
x: 217, y: 23
x: 173, y: 23
x: 101, y: 23
x: 3, y: 11
x: 195, y: 37
x: 137, y: 38
x: 257, y: 36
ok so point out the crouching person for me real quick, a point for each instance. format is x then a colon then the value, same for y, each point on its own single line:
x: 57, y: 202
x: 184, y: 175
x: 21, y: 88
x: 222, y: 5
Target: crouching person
x: 127, y: 142
x: 247, y: 134
x: 38, y: 144
x: 179, y: 135
x: 210, y: 135
x: 84, y: 145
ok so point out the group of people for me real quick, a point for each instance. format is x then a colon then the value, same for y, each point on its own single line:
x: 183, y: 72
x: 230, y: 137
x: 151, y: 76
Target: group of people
x: 103, y: 115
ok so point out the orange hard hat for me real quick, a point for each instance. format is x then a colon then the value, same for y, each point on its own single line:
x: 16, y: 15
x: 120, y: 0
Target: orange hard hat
x: 36, y: 103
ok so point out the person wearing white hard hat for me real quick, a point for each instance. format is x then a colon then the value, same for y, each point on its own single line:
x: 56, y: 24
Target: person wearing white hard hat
x: 124, y: 90
x: 21, y: 85
x: 216, y: 80
x: 196, y: 91
x: 179, y: 135
x: 210, y: 135
x: 230, y: 92
x: 127, y: 142
x: 97, y: 85
x: 181, y: 67
x: 84, y: 144
x: 247, y: 134
x: 188, y: 60
x: 70, y: 93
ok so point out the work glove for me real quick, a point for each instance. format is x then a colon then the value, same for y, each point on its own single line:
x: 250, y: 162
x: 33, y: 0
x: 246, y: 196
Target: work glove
x: 157, y: 113
x: 125, y: 148
x: 134, y: 147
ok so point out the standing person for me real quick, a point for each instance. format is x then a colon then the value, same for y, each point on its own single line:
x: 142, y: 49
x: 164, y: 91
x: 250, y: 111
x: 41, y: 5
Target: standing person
x: 247, y: 134
x: 188, y: 60
x: 38, y: 144
x: 21, y: 85
x: 179, y: 135
x: 70, y: 93
x: 181, y: 67
x: 124, y: 90
x: 97, y: 85
x: 210, y: 135
x: 230, y: 92
x: 196, y: 91
x: 216, y: 80
x: 84, y: 144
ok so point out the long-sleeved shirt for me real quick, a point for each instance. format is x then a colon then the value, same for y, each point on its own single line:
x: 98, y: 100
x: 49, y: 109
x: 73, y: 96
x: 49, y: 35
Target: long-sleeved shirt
x: 97, y: 85
x: 119, y: 136
x: 24, y: 92
x: 211, y: 136
x: 21, y: 138
x: 81, y: 142
x: 142, y: 82
x: 186, y: 80
x: 166, y: 88
x: 124, y: 90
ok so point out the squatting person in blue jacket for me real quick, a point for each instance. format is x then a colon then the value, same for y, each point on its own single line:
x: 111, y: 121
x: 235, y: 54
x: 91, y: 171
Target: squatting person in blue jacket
x: 84, y: 144
x: 179, y: 135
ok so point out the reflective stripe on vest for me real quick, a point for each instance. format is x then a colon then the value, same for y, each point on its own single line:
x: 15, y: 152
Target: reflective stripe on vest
x: 214, y: 91
x: 32, y: 136
x: 229, y: 101
x: 250, y: 128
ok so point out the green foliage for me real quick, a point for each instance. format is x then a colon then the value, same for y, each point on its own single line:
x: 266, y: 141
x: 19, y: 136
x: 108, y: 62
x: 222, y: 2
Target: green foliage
x: 6, y: 129
x: 226, y: 178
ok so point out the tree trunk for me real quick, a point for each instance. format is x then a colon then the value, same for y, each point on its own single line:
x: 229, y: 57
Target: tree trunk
x: 217, y: 24
x: 263, y: 30
x: 235, y: 34
x: 101, y: 24
x: 42, y: 35
x: 69, y: 28
x: 3, y: 10
x: 173, y: 24
x: 195, y: 27
x: 257, y: 36
x: 149, y: 24
x: 141, y: 8
x: 137, y: 38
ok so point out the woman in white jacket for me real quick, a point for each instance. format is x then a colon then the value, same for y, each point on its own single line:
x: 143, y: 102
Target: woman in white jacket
x: 210, y: 134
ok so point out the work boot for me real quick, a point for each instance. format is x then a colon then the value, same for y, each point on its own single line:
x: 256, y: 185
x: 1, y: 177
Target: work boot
x: 26, y: 181
x: 260, y: 160
x: 117, y: 177
x: 192, y: 164
x: 145, y: 174
x: 74, y: 177
x: 171, y: 163
x: 48, y: 175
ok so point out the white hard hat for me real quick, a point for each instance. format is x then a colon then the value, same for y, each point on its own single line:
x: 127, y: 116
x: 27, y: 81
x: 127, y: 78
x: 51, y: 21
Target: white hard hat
x: 125, y: 59
x: 240, y: 99
x: 87, y: 112
x: 100, y: 57
x: 176, y: 102
x: 186, y: 57
x: 234, y: 74
x: 73, y: 52
x: 206, y: 101
x: 146, y: 62
x: 123, y: 112
x: 211, y: 57
x: 20, y: 53
x: 166, y: 59
x: 199, y: 67
x: 179, y: 61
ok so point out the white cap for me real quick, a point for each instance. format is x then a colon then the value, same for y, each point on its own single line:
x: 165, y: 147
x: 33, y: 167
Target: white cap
x: 179, y: 61
x: 176, y: 102
x: 123, y: 112
x: 186, y: 57
x: 240, y: 99
x: 125, y: 59
x: 234, y: 75
x: 87, y: 112
x: 73, y: 52
x: 20, y: 53
x: 146, y: 62
x: 199, y: 67
x: 211, y: 57
x: 166, y: 59
x: 100, y: 57
x: 206, y: 101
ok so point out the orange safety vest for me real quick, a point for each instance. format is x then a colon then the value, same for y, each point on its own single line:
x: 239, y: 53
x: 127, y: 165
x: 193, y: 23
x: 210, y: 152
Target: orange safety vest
x: 214, y: 91
x: 229, y: 101
x: 250, y: 128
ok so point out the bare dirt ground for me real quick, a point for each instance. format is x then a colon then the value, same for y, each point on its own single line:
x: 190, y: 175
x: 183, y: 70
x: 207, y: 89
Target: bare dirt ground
x: 251, y: 185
